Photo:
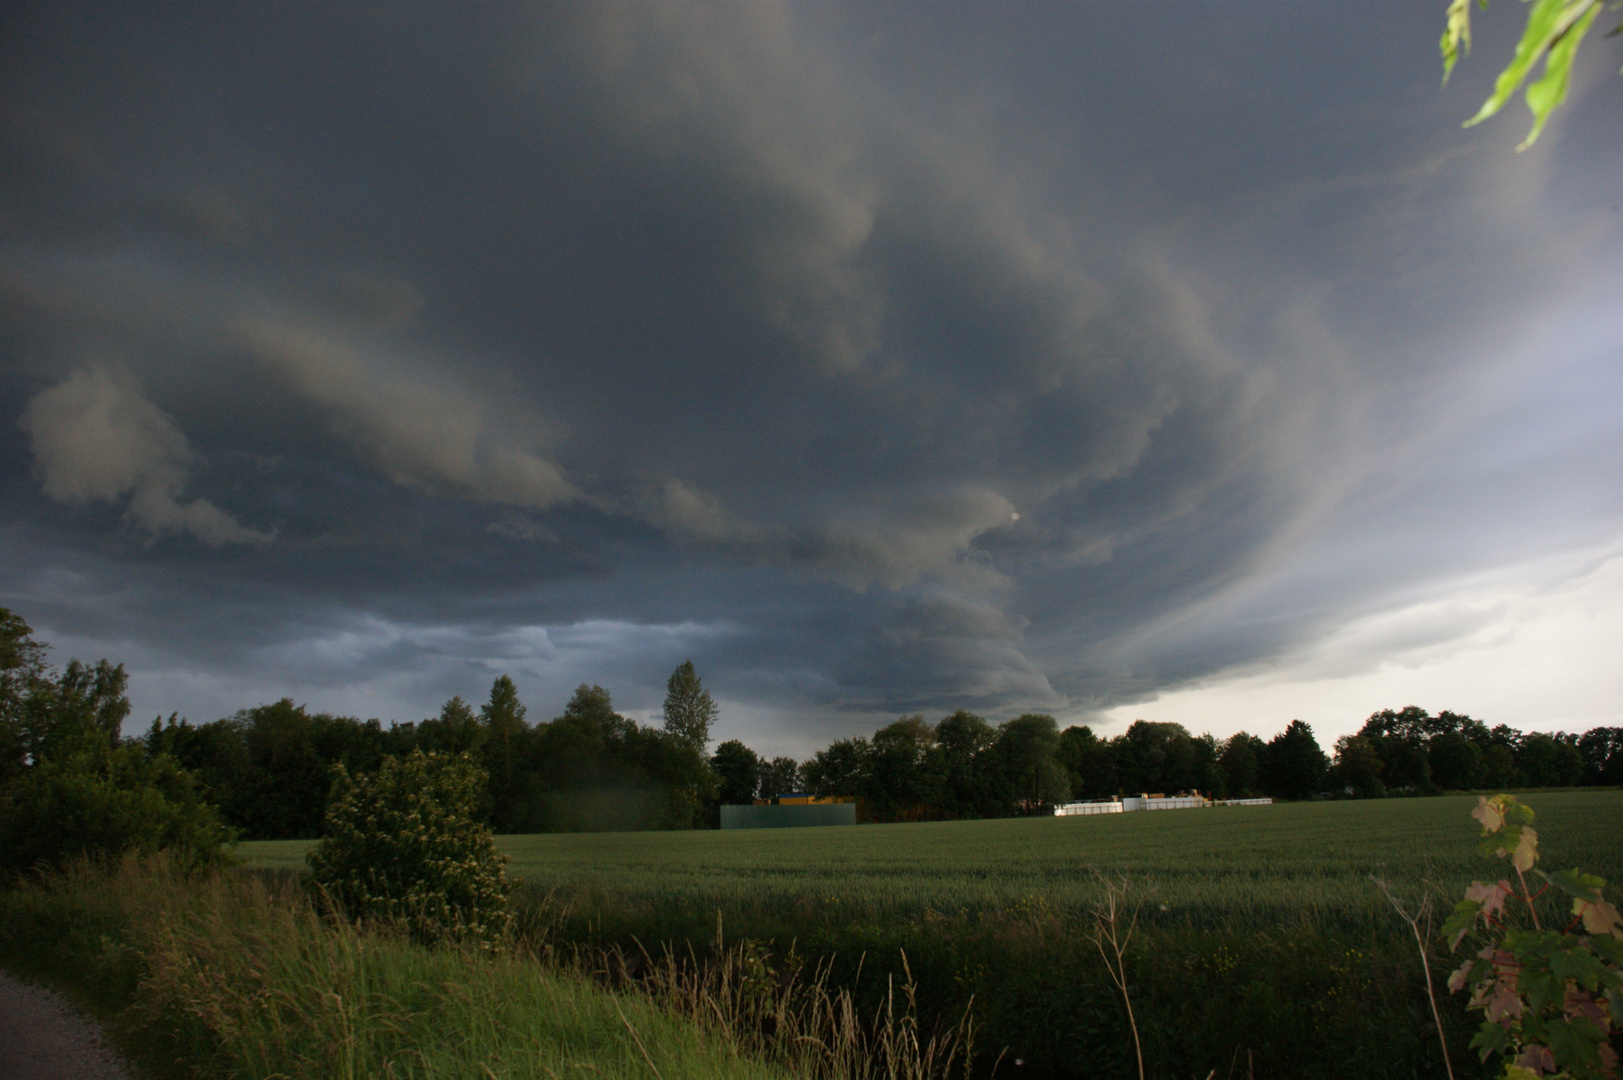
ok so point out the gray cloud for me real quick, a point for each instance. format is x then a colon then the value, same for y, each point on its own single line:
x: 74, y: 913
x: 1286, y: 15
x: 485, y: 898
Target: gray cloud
x: 96, y: 439
x: 418, y: 432
x: 1042, y: 360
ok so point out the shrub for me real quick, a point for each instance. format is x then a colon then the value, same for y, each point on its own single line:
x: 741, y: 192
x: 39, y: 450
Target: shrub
x: 402, y: 846
x: 105, y: 801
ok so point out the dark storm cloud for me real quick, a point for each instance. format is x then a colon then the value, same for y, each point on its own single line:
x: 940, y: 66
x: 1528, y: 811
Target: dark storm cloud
x: 906, y: 359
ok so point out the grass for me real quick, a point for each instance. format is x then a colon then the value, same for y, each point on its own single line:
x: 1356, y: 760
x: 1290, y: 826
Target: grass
x: 236, y: 976
x: 1263, y: 948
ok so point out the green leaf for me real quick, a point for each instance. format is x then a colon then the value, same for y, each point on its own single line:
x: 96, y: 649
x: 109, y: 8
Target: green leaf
x: 1575, y: 882
x: 1578, y: 965
x: 1544, y: 96
x: 1456, y: 35
x: 1490, y: 1039
x: 1460, y: 922
x: 1576, y: 1041
x: 1546, y: 22
x: 1609, y: 947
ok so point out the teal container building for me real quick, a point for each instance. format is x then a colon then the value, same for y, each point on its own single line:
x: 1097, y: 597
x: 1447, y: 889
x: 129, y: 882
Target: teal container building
x: 788, y: 817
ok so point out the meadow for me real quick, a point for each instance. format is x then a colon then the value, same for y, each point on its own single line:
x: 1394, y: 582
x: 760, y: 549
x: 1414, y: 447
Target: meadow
x: 1263, y: 948
x: 1221, y: 868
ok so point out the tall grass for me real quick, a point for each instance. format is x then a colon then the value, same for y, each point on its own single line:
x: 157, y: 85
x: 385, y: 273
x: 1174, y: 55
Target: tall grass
x: 237, y: 975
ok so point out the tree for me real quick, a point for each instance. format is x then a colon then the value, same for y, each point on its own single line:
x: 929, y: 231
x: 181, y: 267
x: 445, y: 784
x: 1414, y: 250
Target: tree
x: 689, y: 708
x: 1159, y: 757
x: 780, y: 776
x: 1357, y: 766
x: 456, y: 730
x: 506, y: 744
x: 906, y: 770
x: 72, y: 787
x: 1602, y: 750
x: 1456, y: 762
x: 1026, y: 747
x: 839, y: 769
x: 1241, y: 762
x: 739, y: 772
x: 1553, y: 32
x: 964, y: 740
x: 22, y: 675
x: 1090, y: 761
x: 1294, y: 767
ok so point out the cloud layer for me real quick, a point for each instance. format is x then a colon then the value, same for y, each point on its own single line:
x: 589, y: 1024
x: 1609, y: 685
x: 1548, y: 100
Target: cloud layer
x: 1019, y: 359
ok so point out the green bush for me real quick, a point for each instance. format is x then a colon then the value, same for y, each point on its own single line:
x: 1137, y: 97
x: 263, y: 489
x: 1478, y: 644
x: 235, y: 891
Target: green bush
x: 105, y: 801
x: 402, y: 847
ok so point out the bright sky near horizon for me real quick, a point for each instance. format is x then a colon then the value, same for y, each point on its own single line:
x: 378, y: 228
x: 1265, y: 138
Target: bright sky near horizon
x: 1166, y: 360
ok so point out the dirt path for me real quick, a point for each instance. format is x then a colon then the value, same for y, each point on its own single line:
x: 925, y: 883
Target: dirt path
x: 43, y: 1037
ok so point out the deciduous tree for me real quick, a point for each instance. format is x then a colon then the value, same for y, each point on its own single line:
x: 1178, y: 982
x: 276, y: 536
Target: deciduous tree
x: 689, y: 708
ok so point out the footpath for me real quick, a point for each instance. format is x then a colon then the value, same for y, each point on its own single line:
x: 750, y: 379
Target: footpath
x: 44, y: 1037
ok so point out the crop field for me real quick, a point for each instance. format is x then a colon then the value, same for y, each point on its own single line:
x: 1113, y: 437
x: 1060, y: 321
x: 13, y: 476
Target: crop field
x: 1262, y: 949
x: 1219, y: 868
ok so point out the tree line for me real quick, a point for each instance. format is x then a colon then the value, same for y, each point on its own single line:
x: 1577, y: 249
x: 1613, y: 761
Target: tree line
x: 965, y: 767
x: 267, y: 771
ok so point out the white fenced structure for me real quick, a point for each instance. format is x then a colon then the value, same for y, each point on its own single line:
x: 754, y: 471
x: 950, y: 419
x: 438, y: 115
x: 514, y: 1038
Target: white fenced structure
x: 1076, y: 809
x: 1150, y: 802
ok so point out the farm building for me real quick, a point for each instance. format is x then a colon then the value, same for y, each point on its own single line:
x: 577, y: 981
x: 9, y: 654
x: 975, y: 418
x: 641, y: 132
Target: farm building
x: 789, y: 815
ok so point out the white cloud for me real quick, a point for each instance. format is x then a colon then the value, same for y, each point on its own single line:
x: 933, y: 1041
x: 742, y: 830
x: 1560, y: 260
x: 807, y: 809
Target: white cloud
x: 1516, y: 651
x: 97, y: 439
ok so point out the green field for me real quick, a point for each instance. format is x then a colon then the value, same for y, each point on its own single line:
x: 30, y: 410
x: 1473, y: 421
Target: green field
x: 1224, y: 867
x: 1262, y: 939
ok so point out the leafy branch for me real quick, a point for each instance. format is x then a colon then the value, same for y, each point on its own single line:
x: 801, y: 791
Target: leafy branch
x: 1550, y: 998
x: 1553, y: 32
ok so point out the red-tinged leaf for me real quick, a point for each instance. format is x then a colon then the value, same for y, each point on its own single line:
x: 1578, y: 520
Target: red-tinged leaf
x: 1579, y: 1003
x: 1536, y: 1059
x: 1457, y: 981
x: 1501, y: 1002
x: 1599, y: 917
x: 1489, y: 813
x: 1526, y: 853
x: 1492, y: 897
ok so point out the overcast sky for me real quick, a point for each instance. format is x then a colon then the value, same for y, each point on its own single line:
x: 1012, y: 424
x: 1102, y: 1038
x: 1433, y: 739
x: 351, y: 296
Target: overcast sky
x: 1176, y: 361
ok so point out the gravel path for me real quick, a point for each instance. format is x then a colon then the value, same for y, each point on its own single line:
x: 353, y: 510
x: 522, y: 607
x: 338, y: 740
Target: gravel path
x: 43, y: 1037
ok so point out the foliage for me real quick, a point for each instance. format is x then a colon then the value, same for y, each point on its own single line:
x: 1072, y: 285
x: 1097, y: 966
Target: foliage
x: 689, y: 708
x: 1358, y: 766
x: 1551, y: 998
x: 268, y: 767
x: 71, y: 787
x: 105, y: 801
x: 1553, y: 32
x: 780, y: 776
x: 738, y: 771
x: 402, y: 847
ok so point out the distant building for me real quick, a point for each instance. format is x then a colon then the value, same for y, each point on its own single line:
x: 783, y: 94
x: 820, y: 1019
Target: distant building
x: 790, y: 815
x: 1157, y: 801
